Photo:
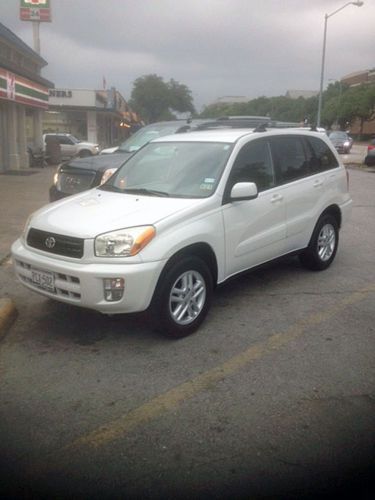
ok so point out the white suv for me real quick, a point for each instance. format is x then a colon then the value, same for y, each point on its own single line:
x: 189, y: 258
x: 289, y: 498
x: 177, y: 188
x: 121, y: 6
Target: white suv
x: 71, y: 146
x: 184, y: 214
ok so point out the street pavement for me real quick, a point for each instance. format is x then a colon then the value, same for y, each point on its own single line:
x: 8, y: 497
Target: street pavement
x: 23, y: 192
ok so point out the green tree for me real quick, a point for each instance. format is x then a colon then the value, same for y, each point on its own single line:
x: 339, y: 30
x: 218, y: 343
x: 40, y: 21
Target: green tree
x: 180, y: 97
x: 154, y: 99
x: 358, y: 102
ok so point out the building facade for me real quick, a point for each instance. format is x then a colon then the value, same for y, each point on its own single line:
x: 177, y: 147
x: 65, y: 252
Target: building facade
x: 98, y: 116
x: 23, y: 98
x: 359, y: 78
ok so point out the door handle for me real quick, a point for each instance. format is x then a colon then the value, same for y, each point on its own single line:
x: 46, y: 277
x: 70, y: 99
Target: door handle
x: 318, y: 183
x: 276, y: 198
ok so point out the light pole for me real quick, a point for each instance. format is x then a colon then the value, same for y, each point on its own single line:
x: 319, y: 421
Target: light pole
x: 357, y: 4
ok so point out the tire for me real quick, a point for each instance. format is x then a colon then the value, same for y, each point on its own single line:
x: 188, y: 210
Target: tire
x: 323, y: 244
x: 176, y: 310
x: 84, y: 153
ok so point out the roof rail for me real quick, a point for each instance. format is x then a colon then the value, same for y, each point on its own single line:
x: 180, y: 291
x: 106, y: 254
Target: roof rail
x: 261, y: 127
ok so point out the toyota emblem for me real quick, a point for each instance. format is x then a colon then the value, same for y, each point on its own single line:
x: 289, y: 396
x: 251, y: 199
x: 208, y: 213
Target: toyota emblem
x: 50, y: 242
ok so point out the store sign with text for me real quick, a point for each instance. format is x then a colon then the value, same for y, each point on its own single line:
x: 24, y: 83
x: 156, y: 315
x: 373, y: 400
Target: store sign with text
x: 35, y: 10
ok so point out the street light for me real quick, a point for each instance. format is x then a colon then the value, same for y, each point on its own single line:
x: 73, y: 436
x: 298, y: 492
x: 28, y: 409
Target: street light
x: 357, y: 4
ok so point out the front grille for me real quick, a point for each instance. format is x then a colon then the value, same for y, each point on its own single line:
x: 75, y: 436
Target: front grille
x: 55, y: 243
x: 75, y: 181
x: 66, y: 286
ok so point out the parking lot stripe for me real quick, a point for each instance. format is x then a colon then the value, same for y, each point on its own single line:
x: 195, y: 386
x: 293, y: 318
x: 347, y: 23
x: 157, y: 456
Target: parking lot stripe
x: 171, y: 399
x: 61, y: 458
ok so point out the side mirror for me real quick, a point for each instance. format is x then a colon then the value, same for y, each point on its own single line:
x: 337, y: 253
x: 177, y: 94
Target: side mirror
x: 244, y: 191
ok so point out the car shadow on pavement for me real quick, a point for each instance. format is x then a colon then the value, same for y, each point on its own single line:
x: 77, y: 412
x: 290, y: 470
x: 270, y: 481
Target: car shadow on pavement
x: 85, y: 327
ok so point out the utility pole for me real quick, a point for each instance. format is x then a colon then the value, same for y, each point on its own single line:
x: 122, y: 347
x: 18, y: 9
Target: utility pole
x: 36, y: 37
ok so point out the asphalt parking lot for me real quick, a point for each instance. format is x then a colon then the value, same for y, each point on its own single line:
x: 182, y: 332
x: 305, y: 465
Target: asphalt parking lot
x: 272, y: 397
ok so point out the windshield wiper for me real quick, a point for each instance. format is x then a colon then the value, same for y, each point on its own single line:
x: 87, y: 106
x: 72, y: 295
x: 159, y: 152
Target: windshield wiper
x: 150, y: 192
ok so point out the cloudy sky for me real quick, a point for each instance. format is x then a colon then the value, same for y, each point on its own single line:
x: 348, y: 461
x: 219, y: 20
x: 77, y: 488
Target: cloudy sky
x: 215, y: 47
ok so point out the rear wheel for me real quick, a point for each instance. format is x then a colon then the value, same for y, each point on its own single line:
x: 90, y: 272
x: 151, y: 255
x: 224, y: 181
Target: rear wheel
x: 183, y: 297
x: 323, y: 244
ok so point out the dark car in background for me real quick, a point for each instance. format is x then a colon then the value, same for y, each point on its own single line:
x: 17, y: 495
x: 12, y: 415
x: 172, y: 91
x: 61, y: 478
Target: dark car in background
x: 80, y: 174
x: 342, y: 141
x: 370, y: 157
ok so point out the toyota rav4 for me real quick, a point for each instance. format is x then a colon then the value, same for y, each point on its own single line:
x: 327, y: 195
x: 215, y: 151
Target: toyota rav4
x: 183, y: 214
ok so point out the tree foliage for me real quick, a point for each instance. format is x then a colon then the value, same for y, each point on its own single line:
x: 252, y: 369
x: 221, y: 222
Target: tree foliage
x: 341, y: 105
x: 278, y: 108
x: 154, y: 99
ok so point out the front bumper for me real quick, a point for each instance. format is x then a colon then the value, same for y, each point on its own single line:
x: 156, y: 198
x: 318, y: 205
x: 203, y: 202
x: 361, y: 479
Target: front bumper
x: 81, y: 284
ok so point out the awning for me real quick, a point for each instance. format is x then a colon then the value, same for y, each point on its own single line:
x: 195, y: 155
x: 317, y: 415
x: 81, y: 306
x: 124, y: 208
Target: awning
x: 22, y: 90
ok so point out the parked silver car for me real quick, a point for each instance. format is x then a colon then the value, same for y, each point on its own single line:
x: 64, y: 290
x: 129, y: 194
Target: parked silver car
x: 342, y: 141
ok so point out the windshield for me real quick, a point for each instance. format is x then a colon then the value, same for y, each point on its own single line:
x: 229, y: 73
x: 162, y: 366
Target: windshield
x: 338, y: 135
x: 147, y: 134
x: 176, y: 169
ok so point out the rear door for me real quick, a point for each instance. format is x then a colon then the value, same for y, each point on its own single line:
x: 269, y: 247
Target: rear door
x: 302, y: 184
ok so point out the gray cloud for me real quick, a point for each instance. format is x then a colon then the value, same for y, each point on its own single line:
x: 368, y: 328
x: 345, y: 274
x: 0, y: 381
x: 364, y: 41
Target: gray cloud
x: 216, y: 47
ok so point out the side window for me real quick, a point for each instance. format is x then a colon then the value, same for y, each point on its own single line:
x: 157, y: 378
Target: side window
x: 64, y: 140
x: 254, y: 164
x: 322, y: 156
x: 290, y: 158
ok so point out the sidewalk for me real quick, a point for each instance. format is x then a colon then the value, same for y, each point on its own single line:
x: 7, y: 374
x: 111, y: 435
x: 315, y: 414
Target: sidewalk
x: 21, y: 193
x: 356, y: 155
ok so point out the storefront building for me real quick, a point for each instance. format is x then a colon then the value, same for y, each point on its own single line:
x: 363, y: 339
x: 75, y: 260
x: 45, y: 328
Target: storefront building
x: 23, y: 98
x: 99, y: 116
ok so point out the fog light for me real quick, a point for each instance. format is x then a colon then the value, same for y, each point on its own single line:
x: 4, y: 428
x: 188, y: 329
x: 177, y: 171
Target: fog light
x: 113, y: 289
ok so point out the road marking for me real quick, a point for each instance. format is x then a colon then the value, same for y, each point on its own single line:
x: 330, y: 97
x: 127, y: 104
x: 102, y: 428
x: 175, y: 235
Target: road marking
x: 172, y: 398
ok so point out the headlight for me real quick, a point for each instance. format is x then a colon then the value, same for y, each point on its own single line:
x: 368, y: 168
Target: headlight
x: 346, y: 143
x: 107, y: 174
x: 123, y: 242
x: 56, y: 177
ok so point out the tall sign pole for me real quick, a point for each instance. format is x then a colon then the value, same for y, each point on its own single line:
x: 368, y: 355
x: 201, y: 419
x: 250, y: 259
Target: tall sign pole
x: 36, y: 11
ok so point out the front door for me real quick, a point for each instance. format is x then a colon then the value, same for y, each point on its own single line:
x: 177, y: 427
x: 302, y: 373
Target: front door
x: 254, y: 229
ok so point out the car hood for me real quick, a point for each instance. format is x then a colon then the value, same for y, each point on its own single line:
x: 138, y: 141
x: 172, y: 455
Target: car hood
x: 100, y: 162
x: 74, y: 216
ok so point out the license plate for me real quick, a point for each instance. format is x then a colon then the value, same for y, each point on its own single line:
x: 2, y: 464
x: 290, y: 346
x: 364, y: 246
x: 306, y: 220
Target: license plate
x: 43, y: 279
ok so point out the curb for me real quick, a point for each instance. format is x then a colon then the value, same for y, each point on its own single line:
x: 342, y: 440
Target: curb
x: 8, y: 314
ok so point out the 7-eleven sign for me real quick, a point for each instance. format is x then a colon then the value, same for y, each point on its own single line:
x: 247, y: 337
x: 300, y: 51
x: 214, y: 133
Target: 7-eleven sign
x: 35, y: 10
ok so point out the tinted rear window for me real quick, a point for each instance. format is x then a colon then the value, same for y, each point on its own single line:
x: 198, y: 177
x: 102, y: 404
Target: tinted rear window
x: 323, y: 158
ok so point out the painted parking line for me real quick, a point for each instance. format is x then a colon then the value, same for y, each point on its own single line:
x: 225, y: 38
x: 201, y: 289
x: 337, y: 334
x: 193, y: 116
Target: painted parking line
x: 168, y: 401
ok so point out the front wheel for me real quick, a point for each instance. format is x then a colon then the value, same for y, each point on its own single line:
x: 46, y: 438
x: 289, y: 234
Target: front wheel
x: 323, y: 244
x: 183, y: 297
x: 84, y: 153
